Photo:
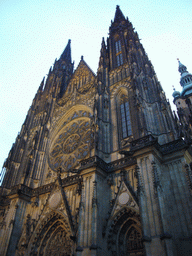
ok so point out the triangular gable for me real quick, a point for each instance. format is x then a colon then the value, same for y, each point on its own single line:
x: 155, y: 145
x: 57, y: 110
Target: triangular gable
x: 82, y: 80
x: 125, y: 198
x: 83, y: 68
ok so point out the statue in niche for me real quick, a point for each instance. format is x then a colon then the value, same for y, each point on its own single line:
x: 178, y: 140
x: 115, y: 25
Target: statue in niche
x: 106, y: 99
x: 106, y: 102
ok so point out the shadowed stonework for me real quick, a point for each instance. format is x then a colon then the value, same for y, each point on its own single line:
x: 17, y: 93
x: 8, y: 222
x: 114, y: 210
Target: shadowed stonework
x: 101, y: 166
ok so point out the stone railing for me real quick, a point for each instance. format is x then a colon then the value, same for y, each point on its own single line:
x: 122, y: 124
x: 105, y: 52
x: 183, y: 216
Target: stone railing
x: 143, y: 142
x: 30, y: 192
x: 173, y: 146
x: 115, y: 165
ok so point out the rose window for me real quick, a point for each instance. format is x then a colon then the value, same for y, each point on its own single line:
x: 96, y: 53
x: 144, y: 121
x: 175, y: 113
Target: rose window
x: 72, y: 144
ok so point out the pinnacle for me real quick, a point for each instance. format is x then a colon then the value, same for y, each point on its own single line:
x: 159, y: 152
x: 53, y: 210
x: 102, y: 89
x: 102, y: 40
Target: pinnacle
x: 118, y: 15
x: 66, y: 55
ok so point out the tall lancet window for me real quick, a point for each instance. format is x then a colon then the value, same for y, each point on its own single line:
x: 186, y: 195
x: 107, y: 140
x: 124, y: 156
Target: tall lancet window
x: 119, y: 56
x: 125, y: 117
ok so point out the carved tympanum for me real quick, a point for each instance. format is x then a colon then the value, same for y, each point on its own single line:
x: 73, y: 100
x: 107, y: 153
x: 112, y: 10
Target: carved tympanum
x: 59, y: 245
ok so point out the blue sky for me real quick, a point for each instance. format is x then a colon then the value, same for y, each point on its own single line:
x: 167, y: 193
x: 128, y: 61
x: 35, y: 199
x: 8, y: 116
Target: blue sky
x: 33, y: 33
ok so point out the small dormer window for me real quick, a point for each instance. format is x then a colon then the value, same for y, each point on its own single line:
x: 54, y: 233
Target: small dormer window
x: 118, y: 50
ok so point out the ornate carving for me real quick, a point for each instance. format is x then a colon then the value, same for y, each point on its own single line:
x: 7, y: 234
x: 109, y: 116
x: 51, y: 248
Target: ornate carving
x: 51, y: 237
x: 115, y: 165
x: 110, y: 180
x: 173, y: 146
x: 143, y: 142
x: 140, y: 184
x: 59, y: 244
x: 134, y: 241
x: 189, y: 176
x: 3, y: 214
x: 72, y: 144
x: 156, y: 183
x: 124, y: 235
x: 27, y: 191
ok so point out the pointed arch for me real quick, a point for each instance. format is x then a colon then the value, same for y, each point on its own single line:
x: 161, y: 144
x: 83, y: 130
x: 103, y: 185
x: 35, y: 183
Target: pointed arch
x: 51, y: 237
x: 123, y: 114
x: 125, y: 234
x: 118, y: 53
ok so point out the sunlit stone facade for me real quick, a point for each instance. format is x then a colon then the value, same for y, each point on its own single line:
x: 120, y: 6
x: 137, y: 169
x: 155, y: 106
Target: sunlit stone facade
x: 99, y: 166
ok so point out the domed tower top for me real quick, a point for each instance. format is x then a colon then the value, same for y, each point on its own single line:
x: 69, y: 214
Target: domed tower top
x: 176, y: 94
x: 186, y: 79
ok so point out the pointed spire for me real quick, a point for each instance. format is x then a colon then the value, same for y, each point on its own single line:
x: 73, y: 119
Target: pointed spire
x: 119, y: 19
x: 103, y: 43
x: 42, y: 84
x: 103, y: 47
x: 66, y: 55
x: 50, y: 70
x: 118, y: 15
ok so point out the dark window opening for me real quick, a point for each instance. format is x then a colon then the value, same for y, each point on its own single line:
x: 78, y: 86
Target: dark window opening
x: 125, y: 118
x: 119, y: 55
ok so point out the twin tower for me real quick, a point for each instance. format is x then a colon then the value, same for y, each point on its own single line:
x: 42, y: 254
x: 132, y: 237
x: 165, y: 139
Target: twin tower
x: 101, y: 165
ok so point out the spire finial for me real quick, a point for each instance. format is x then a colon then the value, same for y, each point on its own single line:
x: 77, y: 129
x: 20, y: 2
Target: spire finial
x: 118, y: 15
x: 66, y: 55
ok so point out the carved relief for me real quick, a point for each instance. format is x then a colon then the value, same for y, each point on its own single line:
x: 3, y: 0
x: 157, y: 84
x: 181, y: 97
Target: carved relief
x: 51, y: 237
x: 3, y: 215
x: 81, y: 88
x: 59, y: 244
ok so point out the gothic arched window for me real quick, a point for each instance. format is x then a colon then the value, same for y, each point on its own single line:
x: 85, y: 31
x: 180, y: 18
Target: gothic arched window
x: 125, y: 118
x: 118, y: 51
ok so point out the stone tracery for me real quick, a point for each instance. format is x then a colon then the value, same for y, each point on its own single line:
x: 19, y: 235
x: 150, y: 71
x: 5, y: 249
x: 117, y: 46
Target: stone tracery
x: 72, y: 144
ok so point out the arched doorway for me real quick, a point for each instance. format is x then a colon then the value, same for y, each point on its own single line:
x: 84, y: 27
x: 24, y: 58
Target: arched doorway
x: 51, y: 238
x: 125, y: 236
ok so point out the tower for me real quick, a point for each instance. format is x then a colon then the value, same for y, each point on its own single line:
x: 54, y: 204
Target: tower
x: 99, y: 165
x: 183, y: 103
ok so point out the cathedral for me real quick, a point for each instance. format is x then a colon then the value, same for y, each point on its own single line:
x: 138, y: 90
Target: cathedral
x: 101, y: 166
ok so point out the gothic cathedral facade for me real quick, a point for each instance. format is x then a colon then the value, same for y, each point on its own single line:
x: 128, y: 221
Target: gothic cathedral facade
x: 100, y: 166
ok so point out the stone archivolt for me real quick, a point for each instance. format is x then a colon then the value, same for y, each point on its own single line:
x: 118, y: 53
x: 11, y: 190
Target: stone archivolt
x: 51, y: 237
x: 124, y: 236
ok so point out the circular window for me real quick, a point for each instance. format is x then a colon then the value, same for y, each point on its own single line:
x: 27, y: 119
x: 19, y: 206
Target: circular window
x: 124, y: 198
x: 72, y: 144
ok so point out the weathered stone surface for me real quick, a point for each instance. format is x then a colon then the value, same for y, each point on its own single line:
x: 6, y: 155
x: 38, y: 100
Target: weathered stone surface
x: 99, y: 165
